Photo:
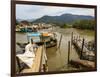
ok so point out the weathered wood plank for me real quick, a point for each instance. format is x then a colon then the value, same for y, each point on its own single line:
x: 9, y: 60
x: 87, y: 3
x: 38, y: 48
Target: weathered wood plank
x: 85, y: 63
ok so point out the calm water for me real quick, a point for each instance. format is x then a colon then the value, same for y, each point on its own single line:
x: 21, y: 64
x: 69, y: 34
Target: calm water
x: 57, y: 58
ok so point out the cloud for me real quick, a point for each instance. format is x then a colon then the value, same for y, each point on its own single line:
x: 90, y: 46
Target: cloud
x: 36, y: 11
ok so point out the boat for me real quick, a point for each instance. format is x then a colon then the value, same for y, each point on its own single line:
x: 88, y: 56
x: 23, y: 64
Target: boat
x: 50, y: 39
x: 26, y: 30
x: 40, y: 38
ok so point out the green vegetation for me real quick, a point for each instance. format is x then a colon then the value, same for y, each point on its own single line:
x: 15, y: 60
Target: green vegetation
x: 86, y: 32
x: 65, y: 26
x: 84, y: 24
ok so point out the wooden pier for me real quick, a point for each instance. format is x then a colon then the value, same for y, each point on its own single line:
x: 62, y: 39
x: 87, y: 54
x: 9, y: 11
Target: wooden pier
x: 86, y: 56
x: 81, y: 47
x: 39, y: 64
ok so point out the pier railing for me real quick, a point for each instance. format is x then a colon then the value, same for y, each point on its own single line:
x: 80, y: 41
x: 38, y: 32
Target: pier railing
x: 81, y: 45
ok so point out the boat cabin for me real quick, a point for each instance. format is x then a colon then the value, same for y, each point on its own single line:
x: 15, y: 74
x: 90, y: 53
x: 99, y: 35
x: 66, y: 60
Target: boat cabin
x: 40, y: 38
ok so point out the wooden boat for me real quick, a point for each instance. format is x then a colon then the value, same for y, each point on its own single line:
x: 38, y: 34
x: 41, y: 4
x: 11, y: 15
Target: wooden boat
x: 49, y: 39
x: 41, y: 38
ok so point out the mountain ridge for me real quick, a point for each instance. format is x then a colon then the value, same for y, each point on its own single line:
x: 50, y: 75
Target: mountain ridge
x: 64, y: 18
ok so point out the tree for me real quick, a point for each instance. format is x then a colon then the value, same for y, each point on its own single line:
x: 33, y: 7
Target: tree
x: 65, y: 26
x: 84, y: 24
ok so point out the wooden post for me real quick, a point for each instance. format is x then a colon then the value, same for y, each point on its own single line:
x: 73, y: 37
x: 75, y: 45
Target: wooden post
x: 82, y: 48
x: 59, y: 42
x: 72, y: 38
x: 76, y: 39
x: 52, y: 27
x: 44, y: 68
x: 79, y: 37
x: 68, y: 51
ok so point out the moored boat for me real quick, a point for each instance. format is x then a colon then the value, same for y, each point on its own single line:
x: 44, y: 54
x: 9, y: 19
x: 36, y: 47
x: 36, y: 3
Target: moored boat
x: 47, y: 38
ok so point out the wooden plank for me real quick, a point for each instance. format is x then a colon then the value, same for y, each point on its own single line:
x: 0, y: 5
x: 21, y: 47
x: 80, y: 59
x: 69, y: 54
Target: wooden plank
x: 37, y: 63
x: 85, y: 63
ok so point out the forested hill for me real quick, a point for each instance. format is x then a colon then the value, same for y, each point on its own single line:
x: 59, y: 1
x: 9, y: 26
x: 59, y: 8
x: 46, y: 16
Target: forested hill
x: 64, y: 18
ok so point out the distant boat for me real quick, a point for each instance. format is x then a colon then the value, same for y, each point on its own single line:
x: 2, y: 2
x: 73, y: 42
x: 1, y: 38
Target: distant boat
x: 26, y: 30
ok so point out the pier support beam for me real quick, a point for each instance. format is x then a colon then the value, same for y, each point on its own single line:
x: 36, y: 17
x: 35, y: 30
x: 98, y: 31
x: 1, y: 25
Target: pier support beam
x: 59, y: 42
x: 72, y: 39
x: 81, y: 53
x: 68, y: 51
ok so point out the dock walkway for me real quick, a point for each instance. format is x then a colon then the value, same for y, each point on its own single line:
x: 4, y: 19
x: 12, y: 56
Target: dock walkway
x: 39, y: 61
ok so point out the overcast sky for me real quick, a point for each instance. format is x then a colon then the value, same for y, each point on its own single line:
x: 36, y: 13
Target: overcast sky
x: 36, y: 11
